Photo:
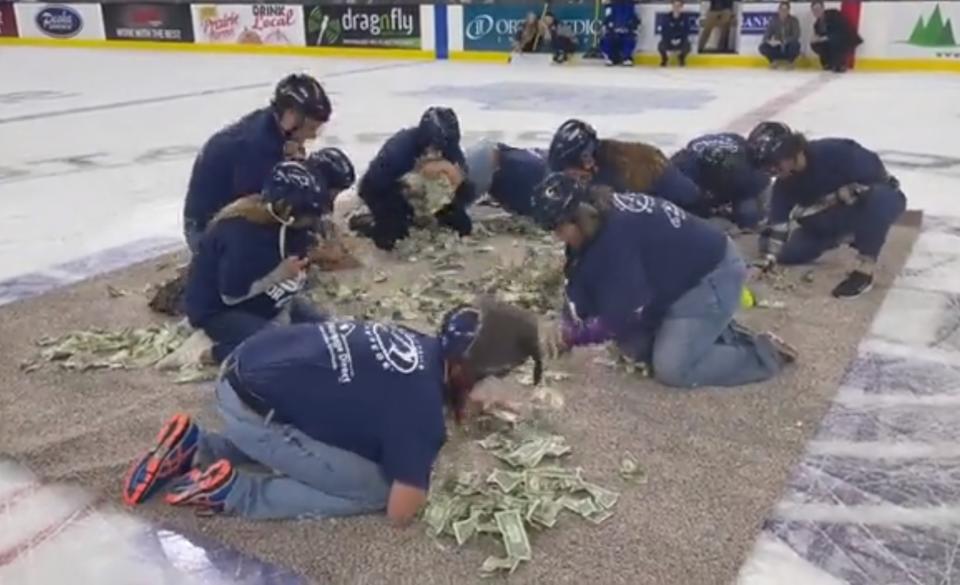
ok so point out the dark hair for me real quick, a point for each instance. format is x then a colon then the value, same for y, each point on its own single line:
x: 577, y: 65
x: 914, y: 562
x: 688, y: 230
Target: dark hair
x: 816, y: 3
x: 785, y: 3
x: 792, y: 146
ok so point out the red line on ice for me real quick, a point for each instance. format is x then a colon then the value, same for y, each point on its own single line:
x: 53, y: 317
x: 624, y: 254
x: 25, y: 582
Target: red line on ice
x: 12, y: 553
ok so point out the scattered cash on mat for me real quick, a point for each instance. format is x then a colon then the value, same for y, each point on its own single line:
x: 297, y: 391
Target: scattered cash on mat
x: 526, y: 495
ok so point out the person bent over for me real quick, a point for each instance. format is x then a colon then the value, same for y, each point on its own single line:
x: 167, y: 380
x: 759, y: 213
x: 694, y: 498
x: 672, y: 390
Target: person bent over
x: 342, y: 418
x: 508, y: 175
x: 250, y: 265
x: 828, y: 192
x: 661, y: 283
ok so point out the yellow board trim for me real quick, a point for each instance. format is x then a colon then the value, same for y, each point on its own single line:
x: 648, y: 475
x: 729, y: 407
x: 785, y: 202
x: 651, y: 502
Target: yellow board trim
x: 711, y: 61
x: 370, y: 53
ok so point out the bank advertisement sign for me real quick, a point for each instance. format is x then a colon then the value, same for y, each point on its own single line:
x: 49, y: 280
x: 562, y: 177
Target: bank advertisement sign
x: 395, y: 26
x: 494, y: 27
x: 248, y: 24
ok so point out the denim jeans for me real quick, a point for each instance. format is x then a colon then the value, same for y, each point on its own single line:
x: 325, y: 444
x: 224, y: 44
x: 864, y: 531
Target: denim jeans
x: 229, y: 329
x: 285, y: 473
x: 864, y: 224
x: 698, y: 342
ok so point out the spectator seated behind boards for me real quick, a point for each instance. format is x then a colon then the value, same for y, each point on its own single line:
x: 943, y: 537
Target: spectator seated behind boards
x: 675, y: 35
x: 620, y: 23
x: 781, y: 41
x: 563, y: 43
x: 834, y: 38
x: 531, y: 35
x: 720, y: 14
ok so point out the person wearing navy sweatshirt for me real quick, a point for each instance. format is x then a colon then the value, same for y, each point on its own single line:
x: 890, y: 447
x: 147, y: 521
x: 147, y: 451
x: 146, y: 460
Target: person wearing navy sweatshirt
x: 436, y: 137
x: 577, y: 150
x: 237, y: 160
x: 250, y: 264
x: 835, y: 191
x: 620, y: 23
x: 675, y: 34
x: 662, y: 284
x: 721, y: 166
x: 507, y: 174
x: 340, y: 418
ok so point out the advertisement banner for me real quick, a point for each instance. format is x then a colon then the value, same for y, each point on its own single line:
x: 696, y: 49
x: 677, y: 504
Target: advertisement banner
x: 911, y: 30
x: 494, y: 27
x: 363, y: 26
x: 148, y: 22
x: 248, y: 24
x: 8, y: 20
x: 59, y: 21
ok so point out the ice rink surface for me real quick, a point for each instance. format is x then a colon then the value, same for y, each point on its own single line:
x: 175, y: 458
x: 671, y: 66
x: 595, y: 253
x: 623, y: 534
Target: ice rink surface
x: 96, y: 149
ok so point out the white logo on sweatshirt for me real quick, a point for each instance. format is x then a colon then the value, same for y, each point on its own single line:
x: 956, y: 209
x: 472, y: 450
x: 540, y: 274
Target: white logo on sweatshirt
x: 282, y: 292
x: 395, y: 349
x: 335, y: 337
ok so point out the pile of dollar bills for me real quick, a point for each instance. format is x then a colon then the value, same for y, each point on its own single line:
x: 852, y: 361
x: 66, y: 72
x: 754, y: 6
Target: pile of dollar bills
x: 527, y: 493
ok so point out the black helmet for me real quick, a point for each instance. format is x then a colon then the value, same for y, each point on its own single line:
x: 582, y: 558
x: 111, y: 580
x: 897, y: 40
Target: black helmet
x: 440, y: 127
x: 332, y: 167
x: 292, y: 183
x: 555, y: 199
x: 571, y: 141
x: 303, y: 93
x: 766, y: 142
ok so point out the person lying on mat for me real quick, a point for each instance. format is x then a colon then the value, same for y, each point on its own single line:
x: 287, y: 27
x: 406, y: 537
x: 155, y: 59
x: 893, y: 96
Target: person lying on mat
x: 661, y: 283
x: 251, y: 262
x: 834, y: 191
x: 505, y: 173
x: 346, y: 416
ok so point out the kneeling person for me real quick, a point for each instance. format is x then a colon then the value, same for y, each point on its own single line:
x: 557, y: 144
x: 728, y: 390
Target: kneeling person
x: 835, y: 191
x: 507, y: 174
x: 348, y: 415
x: 250, y: 264
x: 661, y: 283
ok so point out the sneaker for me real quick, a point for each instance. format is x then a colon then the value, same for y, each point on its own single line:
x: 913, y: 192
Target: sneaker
x: 362, y: 224
x: 170, y: 457
x: 855, y: 284
x: 663, y: 63
x: 787, y: 352
x: 608, y: 62
x: 206, y: 490
x: 627, y: 62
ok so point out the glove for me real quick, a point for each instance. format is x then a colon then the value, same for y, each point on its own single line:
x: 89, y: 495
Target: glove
x: 553, y: 340
x: 850, y: 194
x: 455, y: 218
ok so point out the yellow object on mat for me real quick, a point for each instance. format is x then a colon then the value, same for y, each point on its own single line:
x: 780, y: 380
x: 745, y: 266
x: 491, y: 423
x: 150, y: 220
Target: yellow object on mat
x: 747, y: 300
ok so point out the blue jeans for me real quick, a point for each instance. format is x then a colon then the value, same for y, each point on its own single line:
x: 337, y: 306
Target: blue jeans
x: 300, y: 477
x: 866, y: 223
x: 229, y: 329
x: 698, y: 342
x: 192, y: 233
x: 788, y: 52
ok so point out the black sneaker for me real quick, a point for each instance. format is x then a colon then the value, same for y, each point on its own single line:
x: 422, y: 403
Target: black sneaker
x: 362, y: 224
x: 855, y: 284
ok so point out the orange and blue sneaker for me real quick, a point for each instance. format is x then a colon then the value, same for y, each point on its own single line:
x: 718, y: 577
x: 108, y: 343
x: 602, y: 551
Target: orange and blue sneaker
x: 206, y: 490
x: 170, y: 457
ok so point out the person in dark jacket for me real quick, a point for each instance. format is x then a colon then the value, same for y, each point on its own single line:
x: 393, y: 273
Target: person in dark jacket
x: 341, y: 418
x: 834, y: 38
x: 577, y: 150
x: 250, y: 263
x: 563, y: 42
x: 675, y: 35
x: 507, y: 174
x: 720, y: 164
x: 720, y: 14
x: 660, y: 283
x: 620, y: 23
x: 430, y: 149
x: 781, y: 41
x: 237, y: 160
x: 834, y: 191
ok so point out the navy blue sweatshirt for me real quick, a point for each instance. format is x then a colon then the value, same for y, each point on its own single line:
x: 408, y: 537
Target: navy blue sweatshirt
x: 372, y: 389
x: 647, y: 254
x: 720, y: 164
x: 831, y: 163
x: 234, y: 162
x: 520, y: 170
x: 234, y: 254
x: 675, y: 28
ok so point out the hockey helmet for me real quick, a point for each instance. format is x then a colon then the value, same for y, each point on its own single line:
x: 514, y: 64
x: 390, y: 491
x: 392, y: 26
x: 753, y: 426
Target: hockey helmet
x: 332, y: 167
x: 555, y: 199
x: 440, y: 127
x: 492, y: 337
x: 570, y: 142
x: 304, y: 94
x: 290, y: 182
x: 767, y: 142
